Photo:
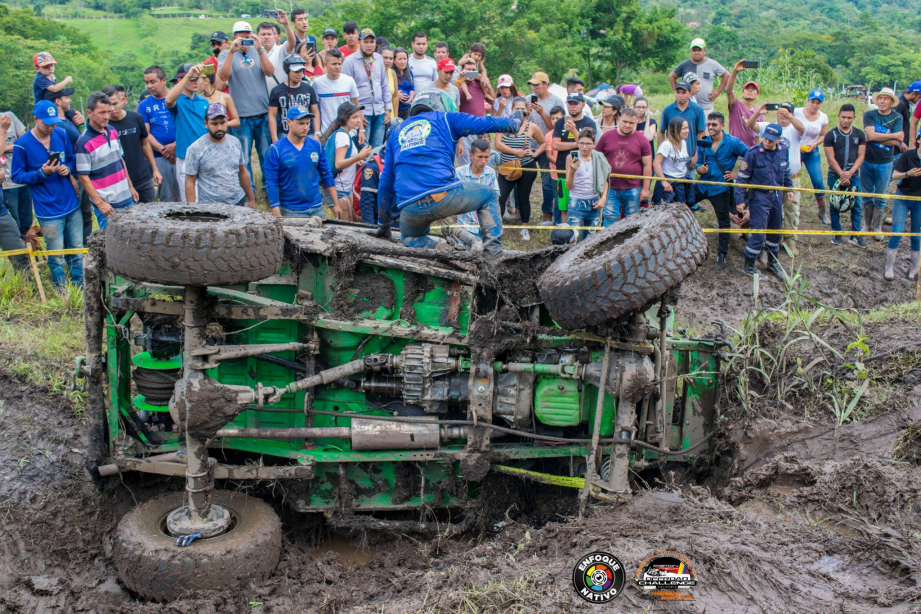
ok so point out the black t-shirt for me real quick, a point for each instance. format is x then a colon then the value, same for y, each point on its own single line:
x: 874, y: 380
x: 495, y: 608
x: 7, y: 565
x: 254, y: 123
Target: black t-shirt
x: 641, y: 126
x: 910, y: 186
x: 845, y: 145
x: 284, y: 97
x: 566, y: 136
x: 131, y: 130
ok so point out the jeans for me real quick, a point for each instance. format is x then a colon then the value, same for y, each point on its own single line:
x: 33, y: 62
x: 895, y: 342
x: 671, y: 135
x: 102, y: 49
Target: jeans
x: 900, y: 210
x: 168, y: 191
x: 679, y: 193
x: 416, y: 218
x: 317, y: 211
x: 766, y: 214
x: 875, y: 179
x: 812, y: 162
x: 103, y: 220
x: 548, y: 186
x: 147, y: 192
x: 10, y: 239
x: 620, y: 201
x: 856, y: 211
x: 582, y: 212
x: 253, y: 131
x: 64, y: 233
x: 19, y: 202
x: 375, y: 130
x: 690, y: 189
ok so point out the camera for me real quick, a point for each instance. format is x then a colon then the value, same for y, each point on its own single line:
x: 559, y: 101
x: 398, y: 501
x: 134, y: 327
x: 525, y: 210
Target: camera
x: 772, y: 106
x: 271, y: 13
x: 247, y: 42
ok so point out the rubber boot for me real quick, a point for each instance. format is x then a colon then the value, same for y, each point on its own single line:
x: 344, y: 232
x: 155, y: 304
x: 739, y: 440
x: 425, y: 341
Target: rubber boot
x: 867, y: 223
x: 878, y: 223
x: 913, y: 268
x: 889, y: 271
x: 775, y: 268
x: 823, y: 213
x: 749, y: 267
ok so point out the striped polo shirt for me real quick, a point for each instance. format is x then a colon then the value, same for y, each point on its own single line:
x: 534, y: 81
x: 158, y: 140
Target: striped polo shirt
x: 101, y: 157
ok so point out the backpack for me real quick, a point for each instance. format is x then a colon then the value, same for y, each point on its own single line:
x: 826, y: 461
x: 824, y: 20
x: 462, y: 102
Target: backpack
x: 330, y: 148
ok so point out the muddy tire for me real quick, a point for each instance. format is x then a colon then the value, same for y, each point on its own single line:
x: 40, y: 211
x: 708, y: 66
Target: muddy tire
x: 153, y: 567
x: 623, y: 268
x: 193, y: 245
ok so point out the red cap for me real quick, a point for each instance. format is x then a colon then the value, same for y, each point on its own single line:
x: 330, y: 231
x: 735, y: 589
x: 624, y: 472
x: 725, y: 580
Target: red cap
x: 446, y: 64
x: 747, y: 83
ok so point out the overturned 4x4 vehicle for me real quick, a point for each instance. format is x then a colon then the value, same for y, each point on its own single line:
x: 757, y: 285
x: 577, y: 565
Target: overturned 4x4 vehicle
x: 383, y: 385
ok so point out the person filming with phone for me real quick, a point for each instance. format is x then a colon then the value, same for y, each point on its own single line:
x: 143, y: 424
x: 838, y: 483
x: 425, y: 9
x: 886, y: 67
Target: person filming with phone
x: 587, y: 173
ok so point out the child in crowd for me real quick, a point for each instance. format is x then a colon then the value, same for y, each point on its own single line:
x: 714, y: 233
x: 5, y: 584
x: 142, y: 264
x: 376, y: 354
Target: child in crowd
x: 562, y: 192
x: 44, y: 76
x: 587, y: 173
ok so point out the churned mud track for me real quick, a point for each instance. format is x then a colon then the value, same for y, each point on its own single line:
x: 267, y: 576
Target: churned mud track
x: 804, y: 519
x: 842, y: 276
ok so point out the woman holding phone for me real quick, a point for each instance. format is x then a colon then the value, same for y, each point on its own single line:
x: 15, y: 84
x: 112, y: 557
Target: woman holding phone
x: 308, y: 51
x: 518, y: 162
x: 348, y: 159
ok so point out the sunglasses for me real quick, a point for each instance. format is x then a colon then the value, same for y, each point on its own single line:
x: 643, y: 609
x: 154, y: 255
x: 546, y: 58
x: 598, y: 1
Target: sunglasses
x: 714, y: 124
x: 193, y: 79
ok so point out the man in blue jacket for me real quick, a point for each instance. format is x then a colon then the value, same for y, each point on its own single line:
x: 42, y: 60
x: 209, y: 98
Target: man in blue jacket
x: 419, y: 179
x: 295, y: 167
x: 716, y: 163
x: 43, y: 159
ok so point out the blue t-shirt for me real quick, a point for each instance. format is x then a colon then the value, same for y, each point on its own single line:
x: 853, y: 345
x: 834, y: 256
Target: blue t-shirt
x: 73, y: 132
x: 162, y: 126
x: 39, y: 85
x: 293, y: 178
x: 53, y: 196
x: 695, y: 116
x: 189, y: 117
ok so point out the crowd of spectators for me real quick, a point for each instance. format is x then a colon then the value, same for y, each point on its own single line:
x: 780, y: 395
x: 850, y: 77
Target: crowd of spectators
x: 317, y: 118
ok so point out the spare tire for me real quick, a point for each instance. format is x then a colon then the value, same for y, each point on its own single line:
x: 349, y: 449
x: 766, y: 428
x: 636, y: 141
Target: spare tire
x: 193, y: 245
x: 623, y: 268
x: 153, y: 567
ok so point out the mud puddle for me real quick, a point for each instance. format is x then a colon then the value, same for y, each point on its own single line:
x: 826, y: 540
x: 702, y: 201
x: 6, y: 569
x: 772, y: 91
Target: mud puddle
x: 350, y: 555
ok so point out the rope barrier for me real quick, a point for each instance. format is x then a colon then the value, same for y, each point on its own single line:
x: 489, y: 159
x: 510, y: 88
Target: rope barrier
x: 747, y: 185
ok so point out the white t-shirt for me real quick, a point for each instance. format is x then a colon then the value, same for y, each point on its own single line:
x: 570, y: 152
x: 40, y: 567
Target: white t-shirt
x: 424, y: 72
x: 346, y: 178
x: 277, y: 57
x: 583, y: 180
x: 792, y: 139
x: 332, y: 94
x: 675, y: 164
x: 813, y: 128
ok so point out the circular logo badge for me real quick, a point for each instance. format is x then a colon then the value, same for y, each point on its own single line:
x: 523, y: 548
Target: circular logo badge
x: 667, y: 575
x: 598, y: 577
x: 314, y: 157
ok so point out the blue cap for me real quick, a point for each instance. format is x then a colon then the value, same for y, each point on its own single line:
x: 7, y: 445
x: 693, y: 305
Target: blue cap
x: 772, y: 132
x: 817, y: 95
x: 298, y: 112
x: 46, y: 111
x: 915, y: 87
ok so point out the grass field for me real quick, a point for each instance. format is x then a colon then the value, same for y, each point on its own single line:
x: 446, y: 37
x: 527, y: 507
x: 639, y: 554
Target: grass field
x: 121, y: 36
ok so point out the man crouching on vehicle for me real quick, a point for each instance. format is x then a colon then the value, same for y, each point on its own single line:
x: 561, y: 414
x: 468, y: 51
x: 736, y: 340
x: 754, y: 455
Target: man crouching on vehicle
x: 419, y: 180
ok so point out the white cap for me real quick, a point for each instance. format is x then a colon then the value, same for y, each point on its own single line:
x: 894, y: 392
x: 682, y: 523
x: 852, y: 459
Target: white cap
x: 242, y: 26
x: 505, y: 81
x: 698, y: 42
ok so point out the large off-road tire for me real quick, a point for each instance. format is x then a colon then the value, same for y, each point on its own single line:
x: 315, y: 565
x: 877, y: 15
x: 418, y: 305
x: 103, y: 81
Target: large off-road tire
x: 193, y: 245
x: 152, y: 566
x: 624, y: 268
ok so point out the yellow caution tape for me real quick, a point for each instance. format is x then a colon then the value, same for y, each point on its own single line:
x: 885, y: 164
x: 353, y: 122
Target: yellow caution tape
x: 47, y: 252
x: 543, y: 478
x: 747, y: 185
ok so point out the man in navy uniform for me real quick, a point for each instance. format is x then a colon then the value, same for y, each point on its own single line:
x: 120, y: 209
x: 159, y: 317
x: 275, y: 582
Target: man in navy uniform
x: 764, y: 164
x: 419, y: 179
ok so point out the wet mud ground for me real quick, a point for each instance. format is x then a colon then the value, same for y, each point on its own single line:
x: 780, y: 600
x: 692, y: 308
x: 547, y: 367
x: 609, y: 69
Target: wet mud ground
x: 793, y: 515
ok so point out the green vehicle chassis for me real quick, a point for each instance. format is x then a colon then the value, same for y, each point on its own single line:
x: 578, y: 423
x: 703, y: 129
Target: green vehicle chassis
x: 371, y: 377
